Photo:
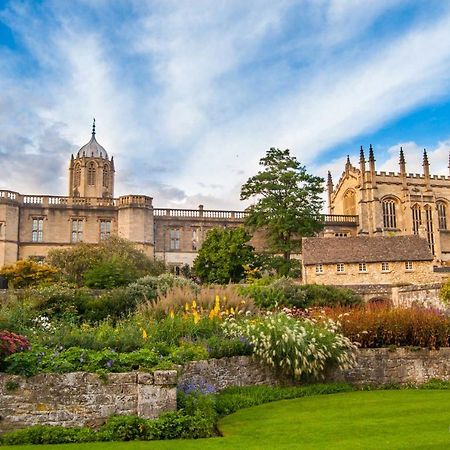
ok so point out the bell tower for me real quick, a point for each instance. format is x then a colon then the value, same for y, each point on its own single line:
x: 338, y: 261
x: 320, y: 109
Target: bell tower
x: 91, y: 171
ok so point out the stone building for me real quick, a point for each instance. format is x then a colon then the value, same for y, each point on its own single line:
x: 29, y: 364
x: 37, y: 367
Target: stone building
x: 365, y: 260
x: 388, y: 203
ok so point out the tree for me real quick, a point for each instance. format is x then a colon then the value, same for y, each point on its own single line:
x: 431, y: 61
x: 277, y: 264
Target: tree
x: 288, y: 202
x: 100, y: 262
x: 223, y: 255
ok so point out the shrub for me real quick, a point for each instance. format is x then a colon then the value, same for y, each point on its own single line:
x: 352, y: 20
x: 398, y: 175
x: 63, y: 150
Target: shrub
x: 382, y: 326
x: 11, y: 343
x: 25, y: 273
x: 444, y: 293
x: 295, y: 347
x: 109, y: 274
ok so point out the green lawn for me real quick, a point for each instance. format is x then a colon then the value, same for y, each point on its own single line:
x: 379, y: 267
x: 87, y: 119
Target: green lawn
x: 403, y: 419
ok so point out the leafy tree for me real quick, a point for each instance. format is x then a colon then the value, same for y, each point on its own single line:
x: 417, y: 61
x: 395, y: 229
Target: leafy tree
x: 25, y: 273
x: 288, y: 203
x: 100, y: 262
x: 223, y: 255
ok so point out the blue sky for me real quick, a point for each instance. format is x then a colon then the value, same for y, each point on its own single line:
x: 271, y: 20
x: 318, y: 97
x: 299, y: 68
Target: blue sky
x: 188, y: 95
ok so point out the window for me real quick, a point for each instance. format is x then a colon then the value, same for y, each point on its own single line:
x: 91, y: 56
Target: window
x: 319, y: 268
x: 194, y: 239
x: 389, y: 217
x: 105, y: 229
x: 429, y: 227
x: 408, y: 265
x: 77, y: 230
x: 385, y: 267
x: 340, y: 234
x: 362, y: 267
x: 174, y: 239
x: 442, y: 215
x: 37, y: 230
x: 339, y: 268
x: 417, y: 218
x: 91, y: 174
x: 77, y: 178
x: 105, y: 176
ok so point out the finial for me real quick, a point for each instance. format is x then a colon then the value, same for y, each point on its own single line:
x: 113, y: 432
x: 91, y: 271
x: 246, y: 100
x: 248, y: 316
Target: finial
x: 361, y: 155
x: 93, y: 127
x: 402, y: 156
x: 371, y: 156
x: 348, y: 160
x: 330, y: 179
x: 425, y: 158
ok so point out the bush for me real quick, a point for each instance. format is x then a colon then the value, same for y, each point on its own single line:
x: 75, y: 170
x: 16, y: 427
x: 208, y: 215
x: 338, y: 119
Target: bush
x: 25, y: 273
x: 286, y: 292
x: 11, y: 343
x: 295, y: 347
x: 109, y: 274
x: 377, y: 326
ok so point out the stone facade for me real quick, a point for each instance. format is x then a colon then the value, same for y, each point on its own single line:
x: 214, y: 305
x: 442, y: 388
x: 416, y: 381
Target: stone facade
x: 83, y: 399
x: 394, y: 203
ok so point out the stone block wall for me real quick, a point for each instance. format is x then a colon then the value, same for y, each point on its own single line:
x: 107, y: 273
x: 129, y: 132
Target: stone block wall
x: 83, y: 399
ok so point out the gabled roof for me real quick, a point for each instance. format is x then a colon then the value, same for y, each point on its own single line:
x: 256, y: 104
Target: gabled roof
x: 365, y: 249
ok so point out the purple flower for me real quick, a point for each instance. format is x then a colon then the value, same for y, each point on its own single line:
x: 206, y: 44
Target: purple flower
x: 109, y: 363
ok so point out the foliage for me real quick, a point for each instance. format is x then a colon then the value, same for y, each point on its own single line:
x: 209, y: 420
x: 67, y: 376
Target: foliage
x: 11, y: 343
x: 108, y: 274
x: 444, y: 293
x: 81, y: 259
x: 285, y: 292
x: 175, y: 300
x: 224, y: 255
x: 295, y: 347
x: 382, y: 326
x: 288, y: 202
x: 25, y: 273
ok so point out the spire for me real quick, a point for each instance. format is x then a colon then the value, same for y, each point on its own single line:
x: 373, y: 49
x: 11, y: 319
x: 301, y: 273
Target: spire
x: 329, y: 180
x: 425, y: 158
x: 371, y: 156
x: 361, y: 155
x: 93, y: 128
x: 402, y: 156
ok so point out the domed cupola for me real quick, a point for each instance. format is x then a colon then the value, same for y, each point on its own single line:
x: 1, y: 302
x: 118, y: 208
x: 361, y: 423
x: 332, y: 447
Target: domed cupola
x: 91, y: 171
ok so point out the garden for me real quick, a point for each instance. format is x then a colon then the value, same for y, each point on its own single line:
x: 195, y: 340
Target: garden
x: 110, y: 309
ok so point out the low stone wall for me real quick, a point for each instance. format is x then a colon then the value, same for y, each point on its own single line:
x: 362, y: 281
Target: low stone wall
x: 425, y: 295
x: 382, y: 365
x: 83, y: 399
x: 221, y: 373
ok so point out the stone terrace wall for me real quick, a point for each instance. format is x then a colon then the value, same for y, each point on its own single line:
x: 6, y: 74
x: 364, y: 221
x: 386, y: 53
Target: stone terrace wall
x: 225, y: 372
x: 381, y: 365
x: 83, y: 399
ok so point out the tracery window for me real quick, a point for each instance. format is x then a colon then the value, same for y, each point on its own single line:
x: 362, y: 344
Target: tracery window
x: 429, y: 227
x: 105, y: 176
x: 91, y: 174
x: 77, y: 178
x: 416, y: 218
x: 442, y: 215
x: 389, y: 214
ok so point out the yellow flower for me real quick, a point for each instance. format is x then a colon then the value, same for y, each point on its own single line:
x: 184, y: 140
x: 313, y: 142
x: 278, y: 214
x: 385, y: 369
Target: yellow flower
x: 231, y: 310
x: 144, y: 334
x: 196, y: 317
x: 171, y: 313
x: 186, y: 307
x: 194, y: 304
x: 212, y: 314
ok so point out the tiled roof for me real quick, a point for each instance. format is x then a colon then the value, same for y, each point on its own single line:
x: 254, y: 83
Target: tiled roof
x: 365, y: 249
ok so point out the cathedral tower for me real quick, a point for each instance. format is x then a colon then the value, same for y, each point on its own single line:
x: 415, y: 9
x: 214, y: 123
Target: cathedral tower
x: 91, y: 171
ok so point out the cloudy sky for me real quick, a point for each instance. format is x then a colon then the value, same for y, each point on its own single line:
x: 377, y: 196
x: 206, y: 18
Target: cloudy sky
x: 189, y: 94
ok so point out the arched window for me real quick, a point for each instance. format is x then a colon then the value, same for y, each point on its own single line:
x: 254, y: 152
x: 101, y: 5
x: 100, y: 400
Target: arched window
x: 442, y: 215
x: 429, y: 226
x: 91, y: 174
x: 105, y: 176
x: 350, y: 203
x: 389, y: 216
x: 77, y: 177
x: 416, y: 218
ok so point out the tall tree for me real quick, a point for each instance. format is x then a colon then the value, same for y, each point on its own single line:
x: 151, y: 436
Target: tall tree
x: 288, y: 202
x: 223, y: 255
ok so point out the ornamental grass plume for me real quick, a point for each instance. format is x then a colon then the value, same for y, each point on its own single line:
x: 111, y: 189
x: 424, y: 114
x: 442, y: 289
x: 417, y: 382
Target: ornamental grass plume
x: 296, y: 347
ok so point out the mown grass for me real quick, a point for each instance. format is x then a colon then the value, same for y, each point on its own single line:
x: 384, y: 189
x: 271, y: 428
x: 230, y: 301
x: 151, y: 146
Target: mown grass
x: 390, y: 419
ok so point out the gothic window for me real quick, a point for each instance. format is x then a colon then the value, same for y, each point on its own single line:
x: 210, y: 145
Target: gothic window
x: 105, y: 176
x: 389, y: 216
x: 429, y: 227
x: 350, y: 203
x: 77, y: 230
x: 442, y: 215
x: 91, y: 174
x: 77, y: 178
x: 37, y: 230
x: 174, y: 239
x: 105, y: 229
x: 416, y: 218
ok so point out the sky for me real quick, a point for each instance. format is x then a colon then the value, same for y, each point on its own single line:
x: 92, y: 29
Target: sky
x: 188, y: 95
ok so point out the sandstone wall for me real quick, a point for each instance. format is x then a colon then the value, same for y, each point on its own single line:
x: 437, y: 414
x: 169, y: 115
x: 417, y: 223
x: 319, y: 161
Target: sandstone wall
x: 83, y: 399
